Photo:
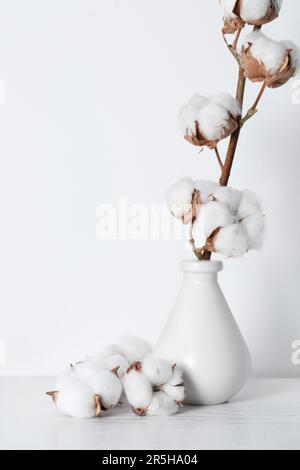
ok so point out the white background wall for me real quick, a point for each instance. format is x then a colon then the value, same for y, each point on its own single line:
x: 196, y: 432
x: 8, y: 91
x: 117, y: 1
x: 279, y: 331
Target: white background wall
x: 93, y: 92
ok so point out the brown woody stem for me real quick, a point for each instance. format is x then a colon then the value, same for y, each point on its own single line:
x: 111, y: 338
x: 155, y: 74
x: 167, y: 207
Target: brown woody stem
x: 240, y: 92
x: 219, y: 158
x: 237, y: 37
x: 253, y: 110
x: 234, y: 140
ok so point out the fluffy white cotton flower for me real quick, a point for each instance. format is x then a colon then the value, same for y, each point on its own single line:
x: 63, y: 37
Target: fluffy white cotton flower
x: 215, y: 215
x: 134, y: 349
x: 228, y: 196
x: 162, y: 405
x: 271, y: 53
x: 254, y: 10
x: 115, y: 361
x: 206, y: 121
x: 175, y: 387
x: 255, y: 226
x: 266, y: 60
x: 104, y: 383
x: 214, y: 122
x: 294, y: 54
x: 75, y: 398
x: 228, y: 102
x: 180, y: 198
x: 138, y: 390
x: 249, y: 205
x: 228, y: 7
x: 206, y: 189
x: 231, y: 241
x: 189, y: 114
x: 158, y: 371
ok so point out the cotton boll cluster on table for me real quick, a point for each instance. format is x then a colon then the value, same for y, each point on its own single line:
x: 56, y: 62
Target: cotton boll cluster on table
x: 237, y: 13
x: 154, y: 387
x: 269, y: 61
x: 206, y: 121
x: 95, y: 385
x: 231, y: 221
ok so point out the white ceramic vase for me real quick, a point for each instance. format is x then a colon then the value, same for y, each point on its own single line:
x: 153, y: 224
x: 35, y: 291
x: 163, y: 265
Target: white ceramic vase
x: 202, y: 337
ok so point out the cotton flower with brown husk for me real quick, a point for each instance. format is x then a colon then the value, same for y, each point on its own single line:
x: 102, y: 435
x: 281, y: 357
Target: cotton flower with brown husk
x: 268, y: 61
x: 154, y: 387
x: 206, y: 121
x: 238, y: 13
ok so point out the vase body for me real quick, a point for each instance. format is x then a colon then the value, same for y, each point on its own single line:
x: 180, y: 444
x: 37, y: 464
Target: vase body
x: 202, y: 337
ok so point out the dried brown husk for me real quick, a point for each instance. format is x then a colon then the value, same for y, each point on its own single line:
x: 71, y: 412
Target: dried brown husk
x: 231, y: 25
x: 271, y: 14
x: 200, y: 140
x: 257, y: 72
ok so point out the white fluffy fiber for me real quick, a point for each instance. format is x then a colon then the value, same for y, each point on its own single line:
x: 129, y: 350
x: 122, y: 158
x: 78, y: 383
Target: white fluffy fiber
x: 215, y: 215
x: 162, y: 405
x: 96, y: 385
x: 228, y: 7
x: 179, y: 198
x: 231, y: 241
x: 254, y: 10
x: 238, y: 215
x: 104, y: 383
x: 255, y: 227
x: 270, y: 53
x: 250, y: 10
x: 212, y: 115
x: 134, y: 349
x: 249, y: 205
x: 74, y: 397
x: 138, y: 390
x: 154, y: 387
x: 157, y: 371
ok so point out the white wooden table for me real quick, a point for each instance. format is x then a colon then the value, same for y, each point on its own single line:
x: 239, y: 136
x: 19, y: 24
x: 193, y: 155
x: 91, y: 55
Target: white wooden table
x: 266, y: 415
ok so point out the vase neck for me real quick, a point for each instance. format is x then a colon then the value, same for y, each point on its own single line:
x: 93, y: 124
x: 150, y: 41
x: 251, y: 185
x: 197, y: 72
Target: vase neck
x: 194, y: 268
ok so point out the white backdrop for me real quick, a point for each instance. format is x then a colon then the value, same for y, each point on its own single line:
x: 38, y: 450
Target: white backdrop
x: 93, y: 89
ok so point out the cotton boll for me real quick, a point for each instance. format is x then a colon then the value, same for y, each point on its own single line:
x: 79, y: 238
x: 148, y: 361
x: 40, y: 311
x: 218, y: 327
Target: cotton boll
x: 103, y: 382
x: 158, y: 371
x: 65, y: 379
x: 294, y: 54
x: 228, y: 196
x: 179, y: 199
x: 255, y: 226
x: 228, y: 7
x: 106, y: 352
x: 76, y: 398
x: 134, y: 349
x: 162, y: 405
x: 175, y: 387
x: 270, y: 53
x: 254, y: 10
x: 189, y: 113
x: 231, y: 241
x: 215, y: 215
x: 249, y: 205
x: 228, y: 102
x: 207, y: 189
x: 138, y: 390
x: 176, y: 392
x: 116, y: 362
x: 213, y: 121
x: 107, y: 385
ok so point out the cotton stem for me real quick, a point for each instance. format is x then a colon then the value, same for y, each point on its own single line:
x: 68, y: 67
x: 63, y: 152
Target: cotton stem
x: 253, y: 110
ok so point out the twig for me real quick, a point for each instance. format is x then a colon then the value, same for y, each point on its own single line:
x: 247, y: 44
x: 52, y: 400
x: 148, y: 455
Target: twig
x: 219, y: 158
x: 237, y: 37
x: 253, y: 110
x: 235, y: 136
